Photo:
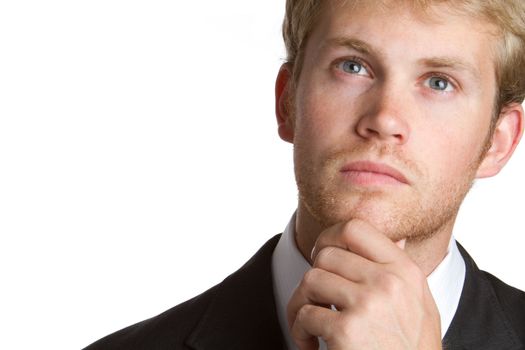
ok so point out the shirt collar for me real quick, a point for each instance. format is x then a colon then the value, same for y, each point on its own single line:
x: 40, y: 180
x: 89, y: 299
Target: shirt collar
x: 289, y: 266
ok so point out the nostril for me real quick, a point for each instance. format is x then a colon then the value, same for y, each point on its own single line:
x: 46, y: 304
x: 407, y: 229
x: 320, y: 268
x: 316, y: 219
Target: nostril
x: 388, y: 127
x: 371, y: 131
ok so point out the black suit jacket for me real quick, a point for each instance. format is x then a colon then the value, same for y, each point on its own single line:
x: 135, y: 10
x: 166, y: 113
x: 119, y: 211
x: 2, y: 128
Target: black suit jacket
x: 240, y: 313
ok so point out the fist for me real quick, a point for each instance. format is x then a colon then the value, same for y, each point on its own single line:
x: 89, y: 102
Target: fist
x: 363, y: 292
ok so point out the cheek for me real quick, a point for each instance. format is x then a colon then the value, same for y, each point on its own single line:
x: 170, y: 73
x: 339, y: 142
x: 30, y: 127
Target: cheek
x: 457, y: 131
x: 452, y: 154
x: 323, y: 118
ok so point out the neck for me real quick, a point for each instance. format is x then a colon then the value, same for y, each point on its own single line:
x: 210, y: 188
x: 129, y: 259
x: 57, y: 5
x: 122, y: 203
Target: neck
x: 426, y: 253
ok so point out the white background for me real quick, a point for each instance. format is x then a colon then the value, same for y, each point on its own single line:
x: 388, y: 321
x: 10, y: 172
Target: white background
x: 140, y: 164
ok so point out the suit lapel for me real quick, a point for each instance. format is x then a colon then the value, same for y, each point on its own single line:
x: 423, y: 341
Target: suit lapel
x: 480, y: 322
x: 242, y: 314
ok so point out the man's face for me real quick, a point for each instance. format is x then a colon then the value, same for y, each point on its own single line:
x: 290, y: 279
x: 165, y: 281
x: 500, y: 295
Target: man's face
x: 392, y: 88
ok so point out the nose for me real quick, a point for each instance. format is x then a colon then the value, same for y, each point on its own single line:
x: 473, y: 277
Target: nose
x: 385, y: 119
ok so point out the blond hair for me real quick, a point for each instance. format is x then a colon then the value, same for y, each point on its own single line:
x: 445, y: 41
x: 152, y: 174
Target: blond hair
x: 508, y: 16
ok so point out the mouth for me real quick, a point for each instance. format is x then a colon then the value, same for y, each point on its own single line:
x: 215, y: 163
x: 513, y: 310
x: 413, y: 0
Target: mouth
x: 370, y: 173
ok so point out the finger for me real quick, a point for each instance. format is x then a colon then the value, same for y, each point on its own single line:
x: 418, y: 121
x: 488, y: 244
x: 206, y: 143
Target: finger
x: 361, y: 238
x: 344, y: 263
x: 322, y: 288
x: 312, y: 322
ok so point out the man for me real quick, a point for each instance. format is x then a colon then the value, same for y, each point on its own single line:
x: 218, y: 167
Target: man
x: 393, y: 108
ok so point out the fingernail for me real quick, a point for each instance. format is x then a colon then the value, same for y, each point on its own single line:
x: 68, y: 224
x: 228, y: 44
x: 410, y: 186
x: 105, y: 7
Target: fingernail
x: 401, y: 243
x: 312, y: 254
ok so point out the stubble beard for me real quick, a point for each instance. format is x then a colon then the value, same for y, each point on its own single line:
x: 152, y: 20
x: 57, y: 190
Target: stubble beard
x: 416, y: 213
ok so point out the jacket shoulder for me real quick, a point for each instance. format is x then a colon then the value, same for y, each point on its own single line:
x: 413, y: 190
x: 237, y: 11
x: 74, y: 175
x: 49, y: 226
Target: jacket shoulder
x: 512, y: 300
x: 166, y: 330
x: 238, y: 313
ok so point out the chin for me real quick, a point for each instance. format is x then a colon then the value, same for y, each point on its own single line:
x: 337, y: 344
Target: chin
x: 395, y: 220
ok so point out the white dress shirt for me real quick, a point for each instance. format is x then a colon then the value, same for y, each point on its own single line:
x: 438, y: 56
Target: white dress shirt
x: 289, y: 266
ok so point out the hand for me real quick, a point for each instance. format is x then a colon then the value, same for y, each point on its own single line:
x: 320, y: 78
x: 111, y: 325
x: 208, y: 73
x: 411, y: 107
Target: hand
x: 381, y: 297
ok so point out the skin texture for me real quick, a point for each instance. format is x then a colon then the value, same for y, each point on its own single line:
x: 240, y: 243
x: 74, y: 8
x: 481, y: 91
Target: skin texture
x: 391, y: 88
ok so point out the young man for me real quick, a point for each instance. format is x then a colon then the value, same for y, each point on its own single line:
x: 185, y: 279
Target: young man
x: 393, y: 108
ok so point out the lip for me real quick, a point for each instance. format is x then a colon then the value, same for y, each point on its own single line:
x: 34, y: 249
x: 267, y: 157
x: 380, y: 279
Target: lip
x: 367, y: 172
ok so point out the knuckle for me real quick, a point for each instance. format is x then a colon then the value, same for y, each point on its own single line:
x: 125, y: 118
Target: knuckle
x: 352, y: 228
x: 390, y: 283
x: 304, y: 313
x: 349, y: 228
x: 354, y: 225
x: 310, y: 277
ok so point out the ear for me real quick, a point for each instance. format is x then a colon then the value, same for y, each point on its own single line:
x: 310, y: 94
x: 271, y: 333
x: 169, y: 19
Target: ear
x: 283, y: 94
x: 505, y: 138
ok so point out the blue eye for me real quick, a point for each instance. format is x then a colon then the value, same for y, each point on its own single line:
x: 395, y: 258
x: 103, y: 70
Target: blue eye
x: 353, y: 67
x: 439, y: 84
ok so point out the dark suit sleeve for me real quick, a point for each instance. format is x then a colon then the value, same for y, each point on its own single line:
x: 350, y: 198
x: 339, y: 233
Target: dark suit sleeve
x: 168, y: 330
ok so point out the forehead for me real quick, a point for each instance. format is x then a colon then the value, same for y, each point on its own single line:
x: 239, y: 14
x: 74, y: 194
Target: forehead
x: 414, y: 32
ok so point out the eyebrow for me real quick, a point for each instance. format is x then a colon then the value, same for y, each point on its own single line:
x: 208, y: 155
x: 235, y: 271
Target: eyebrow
x: 351, y: 43
x: 451, y: 63
x: 431, y: 62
